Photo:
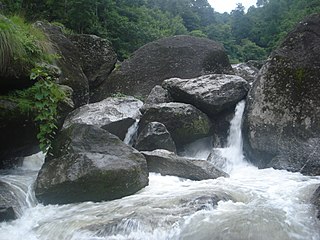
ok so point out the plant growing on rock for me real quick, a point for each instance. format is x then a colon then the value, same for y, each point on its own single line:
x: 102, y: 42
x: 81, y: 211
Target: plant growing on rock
x: 25, y: 51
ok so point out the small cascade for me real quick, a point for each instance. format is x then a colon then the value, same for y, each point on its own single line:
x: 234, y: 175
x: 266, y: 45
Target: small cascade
x: 19, y: 182
x: 131, y: 133
x: 233, y: 153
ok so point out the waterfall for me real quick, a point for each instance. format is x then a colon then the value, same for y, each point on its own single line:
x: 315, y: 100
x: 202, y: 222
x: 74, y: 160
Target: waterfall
x: 233, y: 153
x: 251, y: 204
x: 131, y: 133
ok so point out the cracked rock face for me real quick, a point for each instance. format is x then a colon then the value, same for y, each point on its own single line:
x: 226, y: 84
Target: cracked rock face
x: 282, y: 124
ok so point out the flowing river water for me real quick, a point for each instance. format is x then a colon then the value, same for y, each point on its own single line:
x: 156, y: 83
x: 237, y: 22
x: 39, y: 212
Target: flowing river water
x: 251, y: 204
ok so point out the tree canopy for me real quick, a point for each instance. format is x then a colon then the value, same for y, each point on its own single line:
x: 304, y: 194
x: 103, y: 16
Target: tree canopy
x: 129, y: 24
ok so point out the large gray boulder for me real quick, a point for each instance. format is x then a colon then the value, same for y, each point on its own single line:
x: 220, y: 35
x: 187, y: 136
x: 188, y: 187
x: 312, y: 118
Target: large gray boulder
x: 211, y: 94
x: 115, y: 114
x: 69, y: 62
x: 184, y: 122
x: 97, y: 57
x: 282, y: 124
x: 155, y: 136
x: 167, y: 163
x: 87, y: 163
x: 178, y: 56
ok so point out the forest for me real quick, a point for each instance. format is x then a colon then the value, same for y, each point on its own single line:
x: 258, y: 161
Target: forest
x: 129, y: 24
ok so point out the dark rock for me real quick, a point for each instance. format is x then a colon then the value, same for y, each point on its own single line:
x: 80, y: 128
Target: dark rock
x: 87, y: 163
x: 221, y: 127
x: 184, y: 122
x: 97, y: 57
x: 178, y: 56
x: 167, y: 163
x: 69, y: 63
x: 208, y: 202
x: 211, y: 94
x: 247, y: 72
x: 115, y: 115
x: 8, y: 203
x: 155, y: 136
x: 18, y: 134
x: 282, y: 124
x: 7, y: 214
x: 316, y: 201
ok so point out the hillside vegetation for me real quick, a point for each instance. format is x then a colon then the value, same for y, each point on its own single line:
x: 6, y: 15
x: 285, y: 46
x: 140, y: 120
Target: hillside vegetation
x: 130, y: 24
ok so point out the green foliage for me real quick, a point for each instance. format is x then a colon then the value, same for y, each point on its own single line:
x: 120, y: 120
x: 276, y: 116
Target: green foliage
x: 198, y: 33
x: 41, y: 101
x: 22, y: 46
x: 129, y: 24
x: 25, y: 49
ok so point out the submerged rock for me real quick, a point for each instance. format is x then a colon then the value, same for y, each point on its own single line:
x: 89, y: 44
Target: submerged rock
x: 217, y: 159
x: 211, y: 94
x: 155, y: 136
x: 87, y: 163
x: 177, y: 56
x: 9, y: 205
x: 184, y: 122
x: 115, y: 114
x: 282, y: 124
x: 316, y: 201
x: 167, y: 163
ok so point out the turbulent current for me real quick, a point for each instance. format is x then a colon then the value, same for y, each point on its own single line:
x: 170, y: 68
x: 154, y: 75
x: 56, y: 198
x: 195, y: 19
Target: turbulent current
x: 251, y: 204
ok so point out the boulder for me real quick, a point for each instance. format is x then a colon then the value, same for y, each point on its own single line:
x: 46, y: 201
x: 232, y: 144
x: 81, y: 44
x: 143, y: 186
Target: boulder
x: 97, y: 57
x: 155, y: 136
x: 115, y: 114
x: 69, y: 63
x: 212, y: 94
x: 184, y: 122
x: 87, y: 163
x: 282, y: 124
x: 246, y: 71
x: 167, y: 163
x: 177, y: 56
x: 9, y: 204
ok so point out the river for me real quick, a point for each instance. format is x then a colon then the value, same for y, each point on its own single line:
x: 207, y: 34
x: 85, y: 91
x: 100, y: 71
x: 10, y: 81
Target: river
x: 252, y: 204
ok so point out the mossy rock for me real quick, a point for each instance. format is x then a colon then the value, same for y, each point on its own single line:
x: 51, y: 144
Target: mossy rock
x: 184, y: 122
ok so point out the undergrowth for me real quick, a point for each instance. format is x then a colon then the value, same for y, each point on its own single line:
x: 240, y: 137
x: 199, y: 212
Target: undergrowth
x: 22, y: 46
x: 26, y: 49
